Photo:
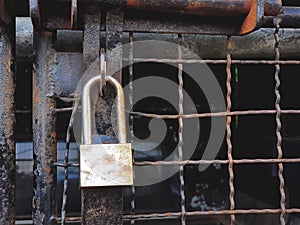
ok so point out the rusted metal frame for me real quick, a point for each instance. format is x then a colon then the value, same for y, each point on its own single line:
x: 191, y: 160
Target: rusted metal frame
x: 203, y: 45
x: 44, y: 14
x: 272, y: 8
x: 197, y: 7
x: 218, y: 8
x: 91, y: 199
x: 7, y: 118
x: 114, y: 34
x: 44, y: 131
x: 103, y: 205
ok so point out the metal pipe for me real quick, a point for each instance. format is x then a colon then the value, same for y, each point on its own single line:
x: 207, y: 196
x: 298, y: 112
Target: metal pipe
x: 218, y: 8
x: 258, y: 44
x: 7, y: 124
x: 87, y: 109
x: 44, y: 134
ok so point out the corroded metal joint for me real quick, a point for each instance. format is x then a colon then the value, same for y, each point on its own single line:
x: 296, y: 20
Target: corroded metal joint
x: 53, y: 15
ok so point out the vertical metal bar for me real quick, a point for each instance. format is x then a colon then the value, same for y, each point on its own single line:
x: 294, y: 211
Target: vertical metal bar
x: 7, y: 125
x: 131, y: 118
x: 228, y: 130
x: 92, y: 198
x: 278, y: 123
x: 44, y: 134
x: 103, y: 205
x: 180, y: 132
x: 114, y: 34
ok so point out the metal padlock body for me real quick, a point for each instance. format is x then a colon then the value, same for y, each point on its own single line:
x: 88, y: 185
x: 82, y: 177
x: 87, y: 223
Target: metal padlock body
x: 103, y: 165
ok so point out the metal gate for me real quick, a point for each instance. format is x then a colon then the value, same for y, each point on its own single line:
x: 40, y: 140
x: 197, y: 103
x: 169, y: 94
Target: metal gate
x: 249, y: 47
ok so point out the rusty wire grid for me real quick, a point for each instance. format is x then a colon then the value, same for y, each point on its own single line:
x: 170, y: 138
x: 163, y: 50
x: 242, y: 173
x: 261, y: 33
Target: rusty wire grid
x: 228, y: 114
x: 230, y: 161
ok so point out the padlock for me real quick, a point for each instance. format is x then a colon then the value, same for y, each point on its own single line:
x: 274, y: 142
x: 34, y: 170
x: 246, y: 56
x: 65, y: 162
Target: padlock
x: 104, y: 164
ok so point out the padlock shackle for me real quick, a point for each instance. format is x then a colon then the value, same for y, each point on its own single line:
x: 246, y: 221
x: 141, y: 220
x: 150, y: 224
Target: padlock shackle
x: 87, y: 110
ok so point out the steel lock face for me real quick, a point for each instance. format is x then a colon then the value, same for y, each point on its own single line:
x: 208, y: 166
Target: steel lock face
x: 104, y: 165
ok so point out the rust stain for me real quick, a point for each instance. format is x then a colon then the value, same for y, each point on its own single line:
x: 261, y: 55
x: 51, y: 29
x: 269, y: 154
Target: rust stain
x: 250, y: 21
x: 132, y: 3
x: 36, y: 94
x: 53, y: 134
x: 110, y: 157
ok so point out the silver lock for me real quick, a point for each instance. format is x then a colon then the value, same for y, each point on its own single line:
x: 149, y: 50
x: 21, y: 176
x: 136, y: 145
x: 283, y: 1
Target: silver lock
x: 104, y: 164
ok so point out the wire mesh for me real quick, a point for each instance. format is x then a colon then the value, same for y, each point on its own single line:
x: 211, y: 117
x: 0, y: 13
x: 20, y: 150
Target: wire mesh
x: 183, y: 214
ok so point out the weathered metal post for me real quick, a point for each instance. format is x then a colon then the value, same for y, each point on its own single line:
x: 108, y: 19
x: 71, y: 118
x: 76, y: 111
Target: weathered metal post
x: 44, y: 134
x: 7, y: 118
x: 103, y: 205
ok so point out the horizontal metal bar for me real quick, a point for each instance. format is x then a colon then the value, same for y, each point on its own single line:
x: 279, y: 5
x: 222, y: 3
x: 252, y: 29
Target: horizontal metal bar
x: 207, y: 213
x: 66, y: 164
x: 59, y: 110
x: 198, y: 7
x: 253, y: 46
x: 217, y: 114
x: 174, y: 215
x: 211, y: 61
x: 217, y: 8
x: 216, y: 161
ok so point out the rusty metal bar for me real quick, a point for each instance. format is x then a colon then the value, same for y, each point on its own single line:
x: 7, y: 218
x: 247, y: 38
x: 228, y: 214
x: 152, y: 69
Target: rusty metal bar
x: 206, y: 46
x: 220, y: 61
x: 224, y: 8
x: 7, y: 119
x: 217, y: 161
x: 197, y: 7
x: 104, y: 205
x: 207, y: 213
x: 91, y: 199
x: 174, y: 215
x: 44, y: 133
x: 219, y: 8
x: 205, y: 115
